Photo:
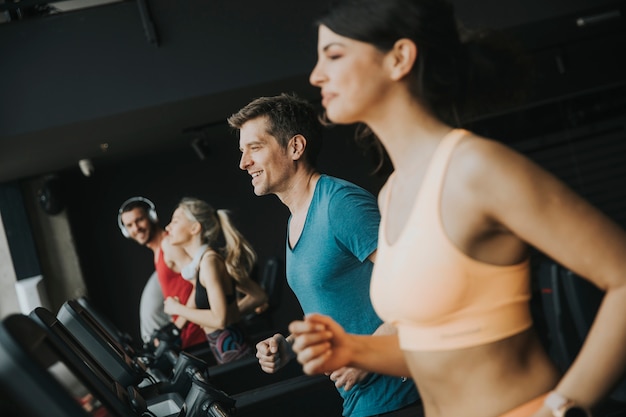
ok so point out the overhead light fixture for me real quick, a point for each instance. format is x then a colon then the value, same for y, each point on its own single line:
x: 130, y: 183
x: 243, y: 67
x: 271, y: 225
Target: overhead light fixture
x: 86, y: 167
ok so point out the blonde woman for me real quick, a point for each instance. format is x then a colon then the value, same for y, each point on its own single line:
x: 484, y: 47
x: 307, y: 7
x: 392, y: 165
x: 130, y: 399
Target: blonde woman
x: 222, y: 261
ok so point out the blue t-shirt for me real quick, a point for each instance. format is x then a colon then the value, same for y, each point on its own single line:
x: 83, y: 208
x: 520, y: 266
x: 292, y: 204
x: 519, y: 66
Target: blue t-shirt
x: 329, y: 273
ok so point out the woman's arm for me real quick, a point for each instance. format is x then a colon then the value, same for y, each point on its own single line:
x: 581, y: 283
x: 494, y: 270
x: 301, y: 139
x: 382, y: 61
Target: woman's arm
x: 533, y: 205
x: 180, y: 321
x: 214, y: 278
x: 254, y: 297
x: 322, y: 346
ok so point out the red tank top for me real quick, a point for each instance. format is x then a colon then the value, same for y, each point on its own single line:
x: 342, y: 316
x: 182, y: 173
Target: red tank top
x: 174, y: 285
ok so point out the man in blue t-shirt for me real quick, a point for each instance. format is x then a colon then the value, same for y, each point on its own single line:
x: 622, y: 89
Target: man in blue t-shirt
x: 331, y: 243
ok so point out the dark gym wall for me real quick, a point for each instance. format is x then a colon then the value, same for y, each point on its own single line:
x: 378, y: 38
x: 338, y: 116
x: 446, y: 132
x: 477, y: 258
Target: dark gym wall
x: 91, y: 76
x: 103, y: 64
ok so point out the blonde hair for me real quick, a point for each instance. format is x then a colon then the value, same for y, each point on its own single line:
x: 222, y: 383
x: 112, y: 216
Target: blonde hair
x: 239, y: 256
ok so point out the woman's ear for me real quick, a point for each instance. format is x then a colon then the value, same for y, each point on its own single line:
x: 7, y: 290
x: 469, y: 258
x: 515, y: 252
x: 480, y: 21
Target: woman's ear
x: 196, y: 228
x: 402, y: 56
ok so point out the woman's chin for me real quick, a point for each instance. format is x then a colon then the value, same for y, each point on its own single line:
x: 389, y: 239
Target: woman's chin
x: 339, y: 118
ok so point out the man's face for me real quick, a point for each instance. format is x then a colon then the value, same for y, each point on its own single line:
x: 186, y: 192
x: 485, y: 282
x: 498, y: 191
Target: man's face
x: 268, y: 164
x: 138, y: 225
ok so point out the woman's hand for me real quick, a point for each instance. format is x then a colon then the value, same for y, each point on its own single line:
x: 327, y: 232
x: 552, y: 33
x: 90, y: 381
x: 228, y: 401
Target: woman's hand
x: 262, y: 308
x: 322, y: 346
x: 171, y: 306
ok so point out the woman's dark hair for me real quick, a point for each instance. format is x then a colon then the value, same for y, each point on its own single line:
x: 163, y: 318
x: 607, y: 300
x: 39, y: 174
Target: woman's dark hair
x: 456, y: 75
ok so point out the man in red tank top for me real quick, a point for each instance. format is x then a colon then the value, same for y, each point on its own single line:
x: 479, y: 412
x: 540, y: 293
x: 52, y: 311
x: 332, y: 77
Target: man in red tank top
x: 137, y: 220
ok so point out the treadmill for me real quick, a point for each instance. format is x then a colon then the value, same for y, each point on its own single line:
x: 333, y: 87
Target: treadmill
x: 44, y: 378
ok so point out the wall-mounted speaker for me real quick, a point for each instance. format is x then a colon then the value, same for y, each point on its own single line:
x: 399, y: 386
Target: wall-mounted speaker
x: 50, y: 196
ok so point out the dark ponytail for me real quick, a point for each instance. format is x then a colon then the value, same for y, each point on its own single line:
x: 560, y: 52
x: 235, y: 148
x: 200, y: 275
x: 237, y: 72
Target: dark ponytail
x: 498, y: 75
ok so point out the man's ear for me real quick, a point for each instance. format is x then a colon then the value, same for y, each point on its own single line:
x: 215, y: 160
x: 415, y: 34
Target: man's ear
x: 402, y: 58
x: 296, y: 147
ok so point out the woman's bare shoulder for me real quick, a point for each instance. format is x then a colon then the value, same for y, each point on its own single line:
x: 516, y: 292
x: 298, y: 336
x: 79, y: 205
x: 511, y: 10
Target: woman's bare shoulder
x: 480, y: 158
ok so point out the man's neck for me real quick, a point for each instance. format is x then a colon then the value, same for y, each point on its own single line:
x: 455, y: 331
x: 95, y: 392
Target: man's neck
x: 298, y: 197
x: 157, y: 237
x: 298, y: 202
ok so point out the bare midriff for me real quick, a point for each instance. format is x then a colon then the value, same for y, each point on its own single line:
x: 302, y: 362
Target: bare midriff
x: 482, y: 381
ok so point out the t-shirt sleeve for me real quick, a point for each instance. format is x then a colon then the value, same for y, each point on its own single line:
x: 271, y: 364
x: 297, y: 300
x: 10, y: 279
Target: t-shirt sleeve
x: 354, y: 219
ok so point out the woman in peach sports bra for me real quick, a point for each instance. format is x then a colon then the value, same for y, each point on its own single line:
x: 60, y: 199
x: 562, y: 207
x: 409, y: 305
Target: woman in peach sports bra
x: 459, y: 215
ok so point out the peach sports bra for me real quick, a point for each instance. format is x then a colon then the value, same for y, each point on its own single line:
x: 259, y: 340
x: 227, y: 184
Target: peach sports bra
x: 436, y: 296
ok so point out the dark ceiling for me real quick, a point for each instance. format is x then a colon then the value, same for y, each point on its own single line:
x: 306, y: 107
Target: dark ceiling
x: 96, y: 83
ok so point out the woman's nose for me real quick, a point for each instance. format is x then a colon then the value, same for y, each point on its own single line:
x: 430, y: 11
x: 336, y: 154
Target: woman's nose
x: 316, y: 75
